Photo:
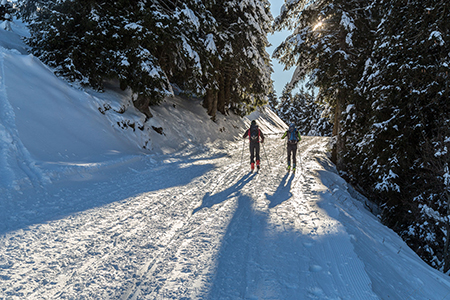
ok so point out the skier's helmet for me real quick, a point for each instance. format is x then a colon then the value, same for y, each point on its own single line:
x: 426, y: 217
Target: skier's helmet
x: 253, y: 122
x: 291, y: 126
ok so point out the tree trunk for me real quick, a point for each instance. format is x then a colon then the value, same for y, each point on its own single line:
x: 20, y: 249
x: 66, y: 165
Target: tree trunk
x: 207, y: 101
x: 211, y: 97
x: 142, y: 103
x: 210, y: 103
x: 227, y: 91
x: 214, y: 105
x: 221, y: 95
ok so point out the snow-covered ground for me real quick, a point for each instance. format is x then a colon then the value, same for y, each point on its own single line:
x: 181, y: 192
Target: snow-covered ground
x: 87, y: 213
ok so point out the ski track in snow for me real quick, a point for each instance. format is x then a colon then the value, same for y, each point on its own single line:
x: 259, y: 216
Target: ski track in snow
x: 205, y: 228
x: 5, y: 116
x: 13, y: 150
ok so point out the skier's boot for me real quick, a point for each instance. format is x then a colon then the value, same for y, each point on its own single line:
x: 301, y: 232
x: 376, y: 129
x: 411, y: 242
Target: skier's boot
x: 288, y: 168
x: 293, y: 169
x: 252, y: 166
x: 258, y: 165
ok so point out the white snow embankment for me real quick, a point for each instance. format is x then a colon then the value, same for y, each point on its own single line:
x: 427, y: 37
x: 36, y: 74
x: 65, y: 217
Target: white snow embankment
x: 394, y: 271
x: 15, y: 158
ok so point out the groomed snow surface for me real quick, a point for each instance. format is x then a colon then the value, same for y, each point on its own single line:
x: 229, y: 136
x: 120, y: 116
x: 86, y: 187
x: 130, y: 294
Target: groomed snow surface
x: 87, y: 213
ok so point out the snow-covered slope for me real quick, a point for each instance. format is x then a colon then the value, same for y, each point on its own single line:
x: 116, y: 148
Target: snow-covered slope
x: 48, y: 127
x: 87, y: 213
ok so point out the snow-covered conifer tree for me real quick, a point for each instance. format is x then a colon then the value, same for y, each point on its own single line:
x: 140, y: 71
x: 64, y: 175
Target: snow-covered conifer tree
x: 28, y: 10
x: 273, y: 101
x: 243, y: 80
x: 143, y: 44
x: 407, y: 79
x: 301, y: 109
x: 211, y: 49
x: 5, y: 10
x: 327, y: 46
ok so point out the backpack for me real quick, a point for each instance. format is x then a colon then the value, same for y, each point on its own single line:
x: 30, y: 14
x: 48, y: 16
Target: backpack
x: 293, y: 136
x: 254, y: 134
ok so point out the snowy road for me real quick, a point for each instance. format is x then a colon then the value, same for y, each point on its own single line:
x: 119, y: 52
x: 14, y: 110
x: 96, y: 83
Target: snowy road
x: 199, y: 226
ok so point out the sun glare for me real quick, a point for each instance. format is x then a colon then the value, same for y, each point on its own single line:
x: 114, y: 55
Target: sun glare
x: 318, y: 25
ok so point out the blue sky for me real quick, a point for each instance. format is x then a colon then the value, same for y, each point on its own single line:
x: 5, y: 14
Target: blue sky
x: 280, y: 77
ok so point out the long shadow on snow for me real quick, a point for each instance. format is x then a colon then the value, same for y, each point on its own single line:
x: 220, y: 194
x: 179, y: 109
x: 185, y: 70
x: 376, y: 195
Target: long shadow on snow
x: 245, y: 244
x: 230, y: 280
x: 252, y: 264
x: 282, y: 193
x: 209, y: 201
x: 44, y: 205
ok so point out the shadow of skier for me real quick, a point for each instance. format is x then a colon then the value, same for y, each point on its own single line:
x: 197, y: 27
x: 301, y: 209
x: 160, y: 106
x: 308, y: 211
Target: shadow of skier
x: 282, y: 193
x: 230, y: 277
x: 210, y: 200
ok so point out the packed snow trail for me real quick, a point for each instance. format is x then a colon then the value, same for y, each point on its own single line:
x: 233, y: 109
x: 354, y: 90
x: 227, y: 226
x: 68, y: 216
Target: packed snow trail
x: 198, y: 225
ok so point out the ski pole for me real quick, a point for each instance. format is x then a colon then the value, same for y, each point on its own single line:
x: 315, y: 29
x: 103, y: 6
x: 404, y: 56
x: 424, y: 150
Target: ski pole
x: 282, y: 156
x: 301, y: 162
x: 242, y: 155
x: 268, y: 162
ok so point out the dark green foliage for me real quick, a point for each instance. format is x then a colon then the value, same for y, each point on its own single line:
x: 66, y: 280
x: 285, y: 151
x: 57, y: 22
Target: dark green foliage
x: 28, y: 10
x: 6, y: 11
x: 407, y: 81
x: 88, y: 42
x: 206, y: 48
x: 242, y: 78
x: 389, y: 89
x: 301, y: 109
x: 273, y: 100
x: 328, y: 47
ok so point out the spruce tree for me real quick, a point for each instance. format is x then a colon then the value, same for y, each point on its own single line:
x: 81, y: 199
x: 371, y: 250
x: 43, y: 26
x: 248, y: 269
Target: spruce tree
x: 209, y: 49
x: 393, y: 120
x: 6, y: 11
x: 405, y: 146
x: 242, y: 81
x: 29, y: 10
x: 273, y: 101
x: 328, y: 45
x: 308, y: 116
x: 144, y: 45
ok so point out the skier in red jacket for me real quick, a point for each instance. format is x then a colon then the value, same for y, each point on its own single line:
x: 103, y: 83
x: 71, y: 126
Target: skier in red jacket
x: 256, y: 137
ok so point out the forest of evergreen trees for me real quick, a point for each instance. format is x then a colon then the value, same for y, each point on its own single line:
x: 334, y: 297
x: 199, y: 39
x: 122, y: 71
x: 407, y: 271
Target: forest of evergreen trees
x: 215, y: 50
x: 310, y: 118
x: 381, y: 67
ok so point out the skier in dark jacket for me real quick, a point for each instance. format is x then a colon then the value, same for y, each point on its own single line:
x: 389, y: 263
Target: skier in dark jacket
x: 293, y: 138
x: 256, y: 137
